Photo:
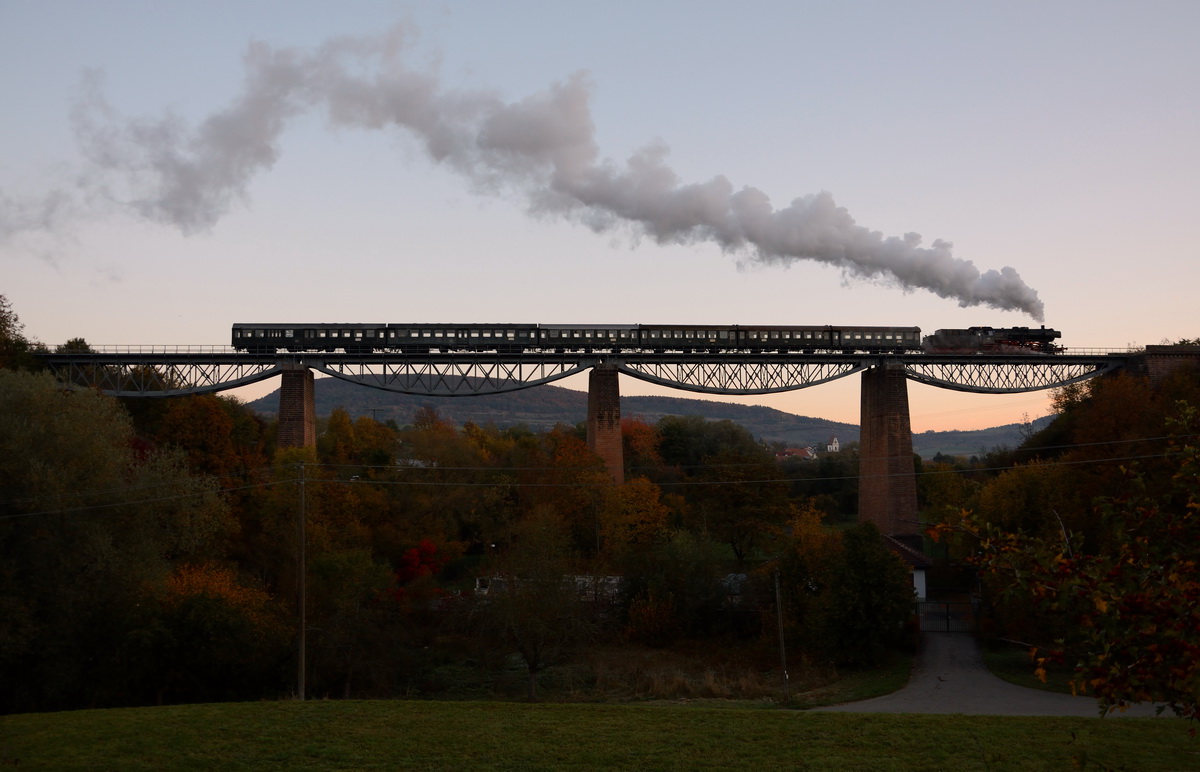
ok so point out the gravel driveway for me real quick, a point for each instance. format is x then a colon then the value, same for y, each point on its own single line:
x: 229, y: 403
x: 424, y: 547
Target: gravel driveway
x: 949, y: 677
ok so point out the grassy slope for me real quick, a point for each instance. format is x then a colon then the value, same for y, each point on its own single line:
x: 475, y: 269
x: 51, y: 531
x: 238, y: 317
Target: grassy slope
x: 495, y: 735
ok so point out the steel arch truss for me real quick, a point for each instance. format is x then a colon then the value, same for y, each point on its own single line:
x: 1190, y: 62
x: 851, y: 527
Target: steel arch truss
x: 157, y: 378
x: 995, y: 377
x: 451, y: 375
x: 757, y: 377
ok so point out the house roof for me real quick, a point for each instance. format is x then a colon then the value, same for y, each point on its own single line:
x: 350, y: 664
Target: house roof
x: 913, y: 558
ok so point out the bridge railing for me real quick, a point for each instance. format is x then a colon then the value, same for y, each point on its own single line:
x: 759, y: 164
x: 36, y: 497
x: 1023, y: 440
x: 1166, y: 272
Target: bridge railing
x: 227, y: 349
x: 1091, y: 352
x: 158, y: 349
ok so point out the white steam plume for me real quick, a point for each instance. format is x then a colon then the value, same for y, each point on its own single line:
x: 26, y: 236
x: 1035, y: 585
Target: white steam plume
x: 542, y: 147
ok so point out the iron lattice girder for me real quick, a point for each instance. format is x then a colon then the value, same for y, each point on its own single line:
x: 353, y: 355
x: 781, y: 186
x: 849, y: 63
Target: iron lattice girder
x: 740, y: 374
x: 451, y: 375
x: 1006, y: 374
x: 162, y: 375
x: 135, y: 374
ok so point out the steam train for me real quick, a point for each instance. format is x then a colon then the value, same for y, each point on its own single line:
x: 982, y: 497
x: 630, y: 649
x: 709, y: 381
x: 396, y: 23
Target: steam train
x: 412, y: 338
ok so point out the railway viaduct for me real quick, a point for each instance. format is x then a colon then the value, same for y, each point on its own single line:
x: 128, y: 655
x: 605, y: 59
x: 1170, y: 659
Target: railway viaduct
x: 887, y: 485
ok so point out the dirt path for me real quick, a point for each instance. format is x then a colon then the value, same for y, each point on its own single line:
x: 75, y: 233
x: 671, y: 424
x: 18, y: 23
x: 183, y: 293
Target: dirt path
x: 949, y: 677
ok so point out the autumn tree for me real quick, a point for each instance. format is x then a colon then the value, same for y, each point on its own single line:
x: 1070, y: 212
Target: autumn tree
x: 351, y: 615
x: 15, y: 348
x: 535, y: 609
x: 740, y: 500
x: 805, y: 561
x: 208, y: 634
x: 88, y: 525
x: 637, y: 519
x: 868, y: 600
x: 640, y: 448
x: 685, y: 441
x: 674, y: 588
x: 572, y: 482
x: 1127, y: 607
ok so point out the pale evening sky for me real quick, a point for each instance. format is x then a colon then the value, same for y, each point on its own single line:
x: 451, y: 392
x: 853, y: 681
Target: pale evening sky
x: 169, y: 168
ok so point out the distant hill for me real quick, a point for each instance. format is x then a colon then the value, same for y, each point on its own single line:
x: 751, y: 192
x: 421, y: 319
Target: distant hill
x: 542, y: 407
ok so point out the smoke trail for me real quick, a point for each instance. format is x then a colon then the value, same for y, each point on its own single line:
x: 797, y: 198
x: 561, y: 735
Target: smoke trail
x: 542, y: 147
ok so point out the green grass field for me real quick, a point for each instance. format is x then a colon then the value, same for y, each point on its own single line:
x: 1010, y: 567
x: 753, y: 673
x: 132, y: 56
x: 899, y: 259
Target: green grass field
x: 370, y: 735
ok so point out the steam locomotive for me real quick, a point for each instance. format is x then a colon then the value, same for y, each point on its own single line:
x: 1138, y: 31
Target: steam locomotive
x: 411, y: 338
x: 994, y: 340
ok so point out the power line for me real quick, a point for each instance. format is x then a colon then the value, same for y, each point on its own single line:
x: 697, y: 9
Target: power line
x: 572, y: 484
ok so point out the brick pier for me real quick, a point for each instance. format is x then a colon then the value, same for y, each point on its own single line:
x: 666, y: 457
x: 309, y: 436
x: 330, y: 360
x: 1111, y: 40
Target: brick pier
x: 604, y: 419
x: 887, y: 488
x: 297, y: 410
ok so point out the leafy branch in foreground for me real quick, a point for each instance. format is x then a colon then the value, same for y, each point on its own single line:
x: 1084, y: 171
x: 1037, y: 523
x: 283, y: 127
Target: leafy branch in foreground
x: 1128, y: 611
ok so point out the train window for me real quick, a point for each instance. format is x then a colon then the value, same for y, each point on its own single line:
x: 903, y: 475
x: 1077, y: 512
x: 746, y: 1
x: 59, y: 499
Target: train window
x: 774, y: 334
x: 512, y: 334
x: 723, y: 334
x: 288, y: 334
x: 426, y: 333
x: 858, y: 336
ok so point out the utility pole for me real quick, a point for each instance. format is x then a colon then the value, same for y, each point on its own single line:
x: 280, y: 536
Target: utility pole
x: 301, y: 570
x: 782, y: 652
